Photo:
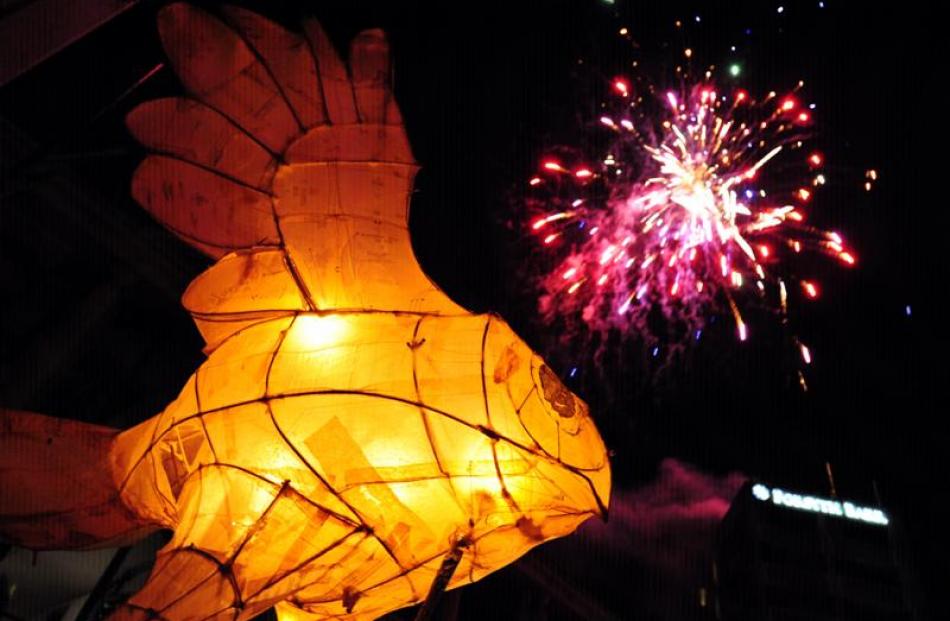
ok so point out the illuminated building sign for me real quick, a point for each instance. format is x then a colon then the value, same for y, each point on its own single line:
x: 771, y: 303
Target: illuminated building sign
x: 815, y: 504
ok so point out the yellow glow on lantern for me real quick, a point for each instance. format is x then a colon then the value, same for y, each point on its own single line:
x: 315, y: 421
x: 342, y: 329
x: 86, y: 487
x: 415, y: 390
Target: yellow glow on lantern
x: 314, y: 332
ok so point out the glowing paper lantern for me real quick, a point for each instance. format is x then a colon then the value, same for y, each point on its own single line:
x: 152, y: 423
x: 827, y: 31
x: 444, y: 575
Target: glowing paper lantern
x: 352, y: 426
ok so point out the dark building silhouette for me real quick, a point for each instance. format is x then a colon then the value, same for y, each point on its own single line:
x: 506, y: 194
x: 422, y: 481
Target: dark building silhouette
x: 785, y: 556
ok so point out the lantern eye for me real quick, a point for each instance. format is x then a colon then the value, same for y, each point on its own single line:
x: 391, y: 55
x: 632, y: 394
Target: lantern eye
x: 559, y: 398
x: 568, y: 412
x: 559, y: 421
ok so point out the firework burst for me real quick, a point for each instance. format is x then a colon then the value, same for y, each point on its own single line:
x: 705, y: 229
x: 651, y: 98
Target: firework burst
x: 689, y: 213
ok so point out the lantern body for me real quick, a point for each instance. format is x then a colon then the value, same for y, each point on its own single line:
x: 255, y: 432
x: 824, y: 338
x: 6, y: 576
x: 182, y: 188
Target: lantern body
x: 332, y: 461
x: 352, y: 425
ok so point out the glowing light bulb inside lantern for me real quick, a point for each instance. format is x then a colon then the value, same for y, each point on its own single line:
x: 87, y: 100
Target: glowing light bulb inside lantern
x: 315, y: 332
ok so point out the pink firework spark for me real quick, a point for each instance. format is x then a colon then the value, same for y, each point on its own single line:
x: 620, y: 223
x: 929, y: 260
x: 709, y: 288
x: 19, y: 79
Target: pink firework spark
x: 690, y: 212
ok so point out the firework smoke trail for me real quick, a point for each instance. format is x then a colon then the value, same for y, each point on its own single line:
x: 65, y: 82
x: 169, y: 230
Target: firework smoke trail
x: 688, y: 213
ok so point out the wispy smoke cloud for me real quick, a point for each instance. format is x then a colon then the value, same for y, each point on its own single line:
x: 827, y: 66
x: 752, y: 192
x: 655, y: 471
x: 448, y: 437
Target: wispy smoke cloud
x: 653, y: 556
x: 670, y: 523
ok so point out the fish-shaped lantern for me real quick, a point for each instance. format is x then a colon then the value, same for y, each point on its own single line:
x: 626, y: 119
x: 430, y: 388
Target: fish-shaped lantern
x: 352, y: 426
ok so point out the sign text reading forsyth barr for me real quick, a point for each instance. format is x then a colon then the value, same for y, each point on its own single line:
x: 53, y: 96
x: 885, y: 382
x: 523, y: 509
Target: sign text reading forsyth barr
x: 815, y: 504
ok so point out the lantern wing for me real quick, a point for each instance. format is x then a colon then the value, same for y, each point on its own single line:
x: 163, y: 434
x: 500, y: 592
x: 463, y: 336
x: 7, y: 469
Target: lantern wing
x: 288, y: 166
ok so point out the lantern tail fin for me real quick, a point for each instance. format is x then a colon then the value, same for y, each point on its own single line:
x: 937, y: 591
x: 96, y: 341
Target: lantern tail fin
x: 253, y: 89
x: 56, y: 485
x: 288, y: 164
x: 214, y: 153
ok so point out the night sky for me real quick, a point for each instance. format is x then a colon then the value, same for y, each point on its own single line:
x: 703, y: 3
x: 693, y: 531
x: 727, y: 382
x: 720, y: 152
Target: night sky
x: 92, y: 330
